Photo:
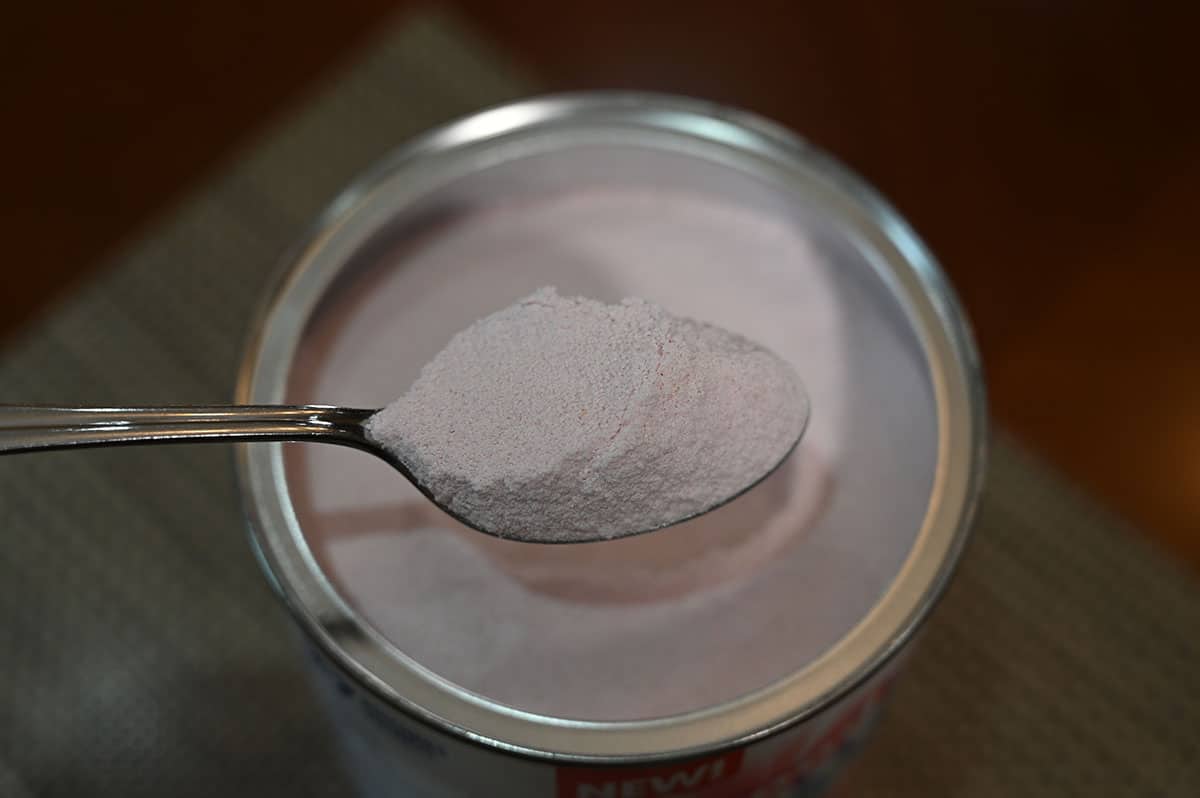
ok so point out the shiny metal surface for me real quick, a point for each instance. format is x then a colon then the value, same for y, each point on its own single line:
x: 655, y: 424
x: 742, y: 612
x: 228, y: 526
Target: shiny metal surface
x: 732, y: 139
x: 29, y: 428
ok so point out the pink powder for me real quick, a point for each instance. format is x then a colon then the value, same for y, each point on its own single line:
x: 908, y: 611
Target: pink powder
x: 567, y: 420
x: 647, y: 626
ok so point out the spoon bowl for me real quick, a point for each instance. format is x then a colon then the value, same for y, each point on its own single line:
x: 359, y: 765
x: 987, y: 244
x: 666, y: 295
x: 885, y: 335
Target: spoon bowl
x: 31, y: 428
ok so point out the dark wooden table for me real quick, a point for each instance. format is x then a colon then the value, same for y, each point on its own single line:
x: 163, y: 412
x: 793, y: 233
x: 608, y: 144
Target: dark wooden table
x: 1047, y: 151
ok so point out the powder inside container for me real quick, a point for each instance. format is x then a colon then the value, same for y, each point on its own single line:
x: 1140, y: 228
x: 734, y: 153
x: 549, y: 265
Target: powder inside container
x: 562, y: 419
x: 656, y: 624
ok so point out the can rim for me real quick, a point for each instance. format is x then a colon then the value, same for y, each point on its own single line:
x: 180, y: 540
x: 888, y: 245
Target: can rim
x: 361, y: 652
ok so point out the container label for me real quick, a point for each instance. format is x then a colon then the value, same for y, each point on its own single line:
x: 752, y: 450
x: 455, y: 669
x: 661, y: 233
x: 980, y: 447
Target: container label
x: 692, y: 778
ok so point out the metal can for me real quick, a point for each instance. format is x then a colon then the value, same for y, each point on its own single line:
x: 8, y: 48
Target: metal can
x: 914, y: 422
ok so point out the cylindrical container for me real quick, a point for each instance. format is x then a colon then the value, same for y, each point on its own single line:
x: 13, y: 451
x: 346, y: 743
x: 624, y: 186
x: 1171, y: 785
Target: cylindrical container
x: 745, y: 653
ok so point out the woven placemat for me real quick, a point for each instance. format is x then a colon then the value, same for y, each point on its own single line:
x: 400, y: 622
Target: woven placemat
x: 141, y: 653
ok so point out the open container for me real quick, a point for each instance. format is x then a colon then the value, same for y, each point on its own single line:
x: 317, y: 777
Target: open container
x: 743, y: 653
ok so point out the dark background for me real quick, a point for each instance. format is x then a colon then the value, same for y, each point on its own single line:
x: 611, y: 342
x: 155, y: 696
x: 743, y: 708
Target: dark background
x: 1048, y: 151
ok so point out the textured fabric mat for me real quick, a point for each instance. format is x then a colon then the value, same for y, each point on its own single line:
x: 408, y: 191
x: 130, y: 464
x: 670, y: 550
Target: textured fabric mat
x: 141, y: 653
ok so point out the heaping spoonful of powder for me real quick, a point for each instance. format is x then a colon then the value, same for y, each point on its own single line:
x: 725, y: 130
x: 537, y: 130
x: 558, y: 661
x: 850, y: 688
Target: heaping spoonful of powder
x: 563, y: 419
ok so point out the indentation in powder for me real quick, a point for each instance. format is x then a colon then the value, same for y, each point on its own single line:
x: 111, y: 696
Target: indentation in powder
x: 565, y: 649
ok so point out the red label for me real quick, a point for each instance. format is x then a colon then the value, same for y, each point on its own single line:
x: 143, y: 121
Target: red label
x: 692, y: 778
x: 806, y: 756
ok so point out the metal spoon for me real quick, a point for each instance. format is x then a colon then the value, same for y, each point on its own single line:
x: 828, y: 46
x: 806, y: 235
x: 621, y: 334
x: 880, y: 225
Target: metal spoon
x: 27, y: 428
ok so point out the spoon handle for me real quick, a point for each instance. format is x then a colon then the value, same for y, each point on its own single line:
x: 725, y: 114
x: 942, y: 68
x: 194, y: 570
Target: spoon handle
x: 27, y: 428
